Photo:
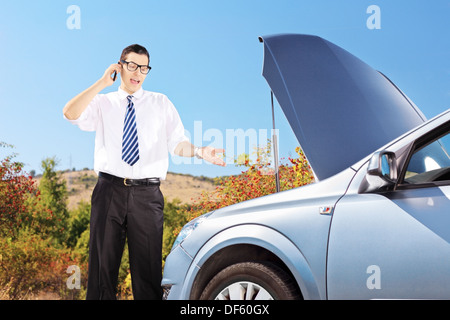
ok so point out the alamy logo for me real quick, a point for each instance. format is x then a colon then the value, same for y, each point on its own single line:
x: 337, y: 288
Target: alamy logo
x: 74, y: 280
x: 374, y: 280
x: 374, y: 20
x: 74, y: 20
x: 235, y: 141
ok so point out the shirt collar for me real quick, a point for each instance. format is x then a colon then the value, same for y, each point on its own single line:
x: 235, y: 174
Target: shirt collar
x: 137, y: 95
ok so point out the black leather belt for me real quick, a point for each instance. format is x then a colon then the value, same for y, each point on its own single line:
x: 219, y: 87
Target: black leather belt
x: 130, y: 182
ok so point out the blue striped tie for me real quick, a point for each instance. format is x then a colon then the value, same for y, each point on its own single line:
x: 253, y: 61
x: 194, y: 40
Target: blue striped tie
x: 130, y: 146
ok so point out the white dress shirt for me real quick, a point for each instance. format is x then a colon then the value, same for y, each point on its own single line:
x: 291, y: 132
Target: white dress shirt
x: 159, y: 129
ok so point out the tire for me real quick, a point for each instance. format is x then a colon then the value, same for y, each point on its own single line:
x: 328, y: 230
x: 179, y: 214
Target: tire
x: 251, y: 281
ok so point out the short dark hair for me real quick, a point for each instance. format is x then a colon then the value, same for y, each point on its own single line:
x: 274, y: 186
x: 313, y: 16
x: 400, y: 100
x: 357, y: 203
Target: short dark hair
x: 136, y: 49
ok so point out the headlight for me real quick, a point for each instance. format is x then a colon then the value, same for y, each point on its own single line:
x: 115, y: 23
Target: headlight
x: 189, y: 227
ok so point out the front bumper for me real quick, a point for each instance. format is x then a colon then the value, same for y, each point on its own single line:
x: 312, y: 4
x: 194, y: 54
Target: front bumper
x: 177, y: 265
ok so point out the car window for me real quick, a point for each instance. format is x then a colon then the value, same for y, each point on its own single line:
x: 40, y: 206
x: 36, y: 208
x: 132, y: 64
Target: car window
x: 430, y: 163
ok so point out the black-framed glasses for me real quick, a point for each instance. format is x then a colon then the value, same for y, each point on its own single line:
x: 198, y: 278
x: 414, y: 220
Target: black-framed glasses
x: 131, y: 66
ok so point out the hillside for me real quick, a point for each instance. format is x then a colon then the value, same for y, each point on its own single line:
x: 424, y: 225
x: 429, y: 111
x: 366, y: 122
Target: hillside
x: 184, y: 187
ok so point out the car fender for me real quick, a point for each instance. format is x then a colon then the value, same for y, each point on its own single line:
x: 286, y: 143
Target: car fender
x: 264, y: 237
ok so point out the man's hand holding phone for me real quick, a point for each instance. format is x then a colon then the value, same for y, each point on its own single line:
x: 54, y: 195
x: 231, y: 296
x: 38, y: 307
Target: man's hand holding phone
x: 110, y: 75
x: 73, y: 109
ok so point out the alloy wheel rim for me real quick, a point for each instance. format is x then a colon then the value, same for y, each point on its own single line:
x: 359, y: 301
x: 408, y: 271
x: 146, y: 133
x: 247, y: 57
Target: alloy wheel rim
x: 244, y: 290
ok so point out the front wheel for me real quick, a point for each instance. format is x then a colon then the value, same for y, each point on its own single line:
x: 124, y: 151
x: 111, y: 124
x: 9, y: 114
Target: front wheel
x: 251, y: 281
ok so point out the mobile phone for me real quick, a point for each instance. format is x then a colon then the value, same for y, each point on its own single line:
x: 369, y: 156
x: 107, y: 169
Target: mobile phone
x: 114, y: 76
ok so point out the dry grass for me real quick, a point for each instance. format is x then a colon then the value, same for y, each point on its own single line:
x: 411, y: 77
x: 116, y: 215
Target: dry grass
x: 184, y: 187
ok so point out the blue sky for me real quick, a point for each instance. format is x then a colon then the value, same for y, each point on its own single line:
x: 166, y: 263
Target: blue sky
x: 205, y: 57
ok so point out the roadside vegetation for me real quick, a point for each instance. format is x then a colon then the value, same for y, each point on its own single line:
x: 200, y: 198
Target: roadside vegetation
x: 44, y: 245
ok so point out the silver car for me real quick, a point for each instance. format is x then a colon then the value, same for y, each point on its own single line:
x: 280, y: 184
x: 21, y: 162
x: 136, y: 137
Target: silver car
x: 375, y: 225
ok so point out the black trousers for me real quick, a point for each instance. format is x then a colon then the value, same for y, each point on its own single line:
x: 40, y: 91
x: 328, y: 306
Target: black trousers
x: 120, y: 212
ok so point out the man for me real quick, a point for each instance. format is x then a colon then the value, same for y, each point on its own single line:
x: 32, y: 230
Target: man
x: 135, y: 131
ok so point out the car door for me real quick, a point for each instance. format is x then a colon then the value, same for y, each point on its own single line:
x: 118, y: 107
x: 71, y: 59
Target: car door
x: 396, y: 244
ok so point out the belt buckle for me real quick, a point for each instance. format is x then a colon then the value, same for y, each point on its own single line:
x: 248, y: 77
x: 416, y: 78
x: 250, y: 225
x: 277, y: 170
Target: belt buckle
x: 125, y: 182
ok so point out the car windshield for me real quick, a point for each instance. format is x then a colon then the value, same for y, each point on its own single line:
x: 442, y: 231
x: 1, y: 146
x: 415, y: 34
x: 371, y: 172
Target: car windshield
x: 430, y: 163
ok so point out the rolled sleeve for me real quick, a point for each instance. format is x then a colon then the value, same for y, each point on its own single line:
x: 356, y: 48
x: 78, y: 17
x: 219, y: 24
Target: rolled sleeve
x: 89, y: 118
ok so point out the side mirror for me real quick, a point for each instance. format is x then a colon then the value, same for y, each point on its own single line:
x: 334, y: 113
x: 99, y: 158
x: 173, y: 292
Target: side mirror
x: 382, y: 170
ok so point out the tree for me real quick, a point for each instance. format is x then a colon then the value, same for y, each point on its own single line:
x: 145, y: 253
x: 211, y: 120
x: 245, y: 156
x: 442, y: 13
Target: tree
x: 54, y: 195
x: 17, y: 190
x: 78, y: 223
x: 30, y: 259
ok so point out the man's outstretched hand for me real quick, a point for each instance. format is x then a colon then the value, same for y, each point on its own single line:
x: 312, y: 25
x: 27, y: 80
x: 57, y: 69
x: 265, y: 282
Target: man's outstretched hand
x: 210, y: 154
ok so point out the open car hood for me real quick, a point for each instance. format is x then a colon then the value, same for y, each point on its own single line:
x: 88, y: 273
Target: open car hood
x: 339, y: 108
